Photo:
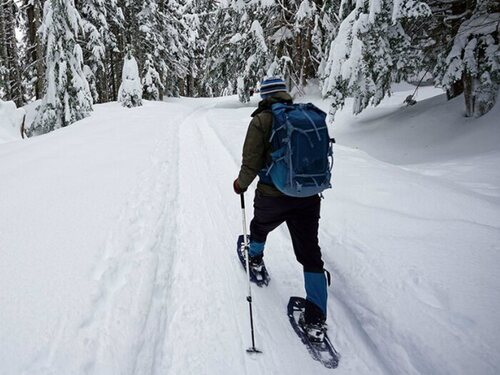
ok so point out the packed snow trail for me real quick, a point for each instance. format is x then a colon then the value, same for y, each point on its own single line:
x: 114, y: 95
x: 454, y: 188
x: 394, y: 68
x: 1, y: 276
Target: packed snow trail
x: 141, y: 274
x: 209, y: 295
x: 215, y: 285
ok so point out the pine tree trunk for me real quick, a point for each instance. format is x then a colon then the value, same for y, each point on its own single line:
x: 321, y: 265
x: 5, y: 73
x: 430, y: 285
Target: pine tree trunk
x: 35, y: 48
x: 113, y: 76
x: 3, y: 36
x: 182, y: 87
x: 31, y: 37
x: 456, y: 89
x: 309, y: 69
x: 14, y: 84
x: 299, y: 60
x: 4, y: 76
x: 468, y: 82
x: 467, y: 78
x: 40, y: 64
x: 102, y: 84
x: 191, y: 85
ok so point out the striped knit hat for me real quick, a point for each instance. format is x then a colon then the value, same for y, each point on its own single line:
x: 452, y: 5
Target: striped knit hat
x: 271, y: 85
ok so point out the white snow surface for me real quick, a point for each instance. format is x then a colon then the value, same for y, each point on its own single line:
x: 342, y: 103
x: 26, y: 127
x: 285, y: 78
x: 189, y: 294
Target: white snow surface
x: 118, y: 234
x: 11, y: 119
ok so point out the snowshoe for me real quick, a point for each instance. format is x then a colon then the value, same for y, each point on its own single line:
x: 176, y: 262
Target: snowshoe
x: 258, y: 271
x: 321, y: 351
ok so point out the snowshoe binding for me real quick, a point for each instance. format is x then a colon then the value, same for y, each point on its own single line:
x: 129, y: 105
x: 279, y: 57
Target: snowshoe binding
x: 258, y: 271
x: 315, y: 331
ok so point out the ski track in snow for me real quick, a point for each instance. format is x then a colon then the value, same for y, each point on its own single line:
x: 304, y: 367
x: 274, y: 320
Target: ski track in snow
x: 123, y: 333
x: 201, y: 272
x: 135, y: 277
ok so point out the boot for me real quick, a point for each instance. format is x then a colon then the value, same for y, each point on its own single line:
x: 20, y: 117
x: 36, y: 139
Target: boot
x: 256, y: 263
x: 313, y: 322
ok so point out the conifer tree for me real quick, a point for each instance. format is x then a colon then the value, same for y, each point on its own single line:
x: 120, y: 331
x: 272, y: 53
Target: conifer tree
x: 238, y: 52
x: 151, y: 83
x: 325, y: 30
x: 94, y: 20
x: 254, y: 60
x: 221, y: 53
x: 438, y: 34
x: 67, y: 95
x: 198, y: 20
x: 474, y: 58
x: 130, y: 91
x: 151, y: 49
x: 175, y: 35
x: 103, y: 22
x: 306, y: 18
x: 371, y: 50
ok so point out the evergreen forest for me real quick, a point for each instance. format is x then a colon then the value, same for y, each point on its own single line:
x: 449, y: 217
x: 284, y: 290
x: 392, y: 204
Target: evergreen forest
x: 72, y: 54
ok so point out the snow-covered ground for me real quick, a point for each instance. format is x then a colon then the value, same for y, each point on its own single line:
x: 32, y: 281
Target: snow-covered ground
x: 11, y: 119
x: 117, y: 239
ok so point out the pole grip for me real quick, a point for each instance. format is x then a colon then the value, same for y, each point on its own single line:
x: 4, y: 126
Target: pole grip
x: 242, y: 198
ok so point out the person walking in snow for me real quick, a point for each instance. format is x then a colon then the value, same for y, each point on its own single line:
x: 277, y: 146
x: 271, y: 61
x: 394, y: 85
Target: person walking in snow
x: 272, y: 208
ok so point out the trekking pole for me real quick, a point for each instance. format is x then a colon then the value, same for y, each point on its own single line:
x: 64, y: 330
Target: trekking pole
x: 252, y: 349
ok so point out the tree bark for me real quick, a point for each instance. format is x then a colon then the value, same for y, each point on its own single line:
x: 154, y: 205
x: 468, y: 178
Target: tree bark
x: 113, y: 77
x: 14, y: 83
x: 467, y: 78
x: 456, y: 89
x: 468, y: 82
x: 3, y: 36
x: 35, y: 48
x: 40, y: 63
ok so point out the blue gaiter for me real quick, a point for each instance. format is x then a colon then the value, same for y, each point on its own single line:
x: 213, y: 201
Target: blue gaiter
x: 315, y: 283
x: 256, y: 248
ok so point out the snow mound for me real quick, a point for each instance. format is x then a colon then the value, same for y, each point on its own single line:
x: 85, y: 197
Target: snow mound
x: 11, y: 119
x: 432, y: 130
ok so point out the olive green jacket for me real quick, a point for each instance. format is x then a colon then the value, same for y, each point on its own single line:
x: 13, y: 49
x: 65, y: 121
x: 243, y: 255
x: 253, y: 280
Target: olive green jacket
x: 257, y: 149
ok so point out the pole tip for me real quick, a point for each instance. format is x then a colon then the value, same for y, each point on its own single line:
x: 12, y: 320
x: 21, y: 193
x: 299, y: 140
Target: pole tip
x: 253, y: 350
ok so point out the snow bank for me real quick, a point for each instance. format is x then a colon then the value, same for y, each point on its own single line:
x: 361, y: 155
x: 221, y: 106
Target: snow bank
x: 432, y: 137
x: 31, y: 112
x: 11, y: 119
x: 432, y: 130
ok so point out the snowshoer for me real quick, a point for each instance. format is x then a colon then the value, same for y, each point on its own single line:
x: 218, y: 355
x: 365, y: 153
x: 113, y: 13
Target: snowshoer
x: 272, y: 208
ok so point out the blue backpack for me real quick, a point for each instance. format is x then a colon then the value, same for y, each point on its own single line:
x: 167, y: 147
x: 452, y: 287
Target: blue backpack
x: 302, y: 155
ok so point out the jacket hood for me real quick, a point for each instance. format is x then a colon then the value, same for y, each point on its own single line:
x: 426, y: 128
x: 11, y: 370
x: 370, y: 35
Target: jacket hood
x: 279, y: 97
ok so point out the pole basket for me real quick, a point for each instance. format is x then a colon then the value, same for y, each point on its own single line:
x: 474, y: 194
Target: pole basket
x: 253, y: 350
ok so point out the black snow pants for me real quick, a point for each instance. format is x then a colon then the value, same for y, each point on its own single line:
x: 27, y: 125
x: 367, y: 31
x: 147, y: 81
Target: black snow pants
x: 302, y: 218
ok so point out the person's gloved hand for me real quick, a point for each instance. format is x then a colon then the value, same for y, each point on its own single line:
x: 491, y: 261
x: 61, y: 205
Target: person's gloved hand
x: 237, y: 188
